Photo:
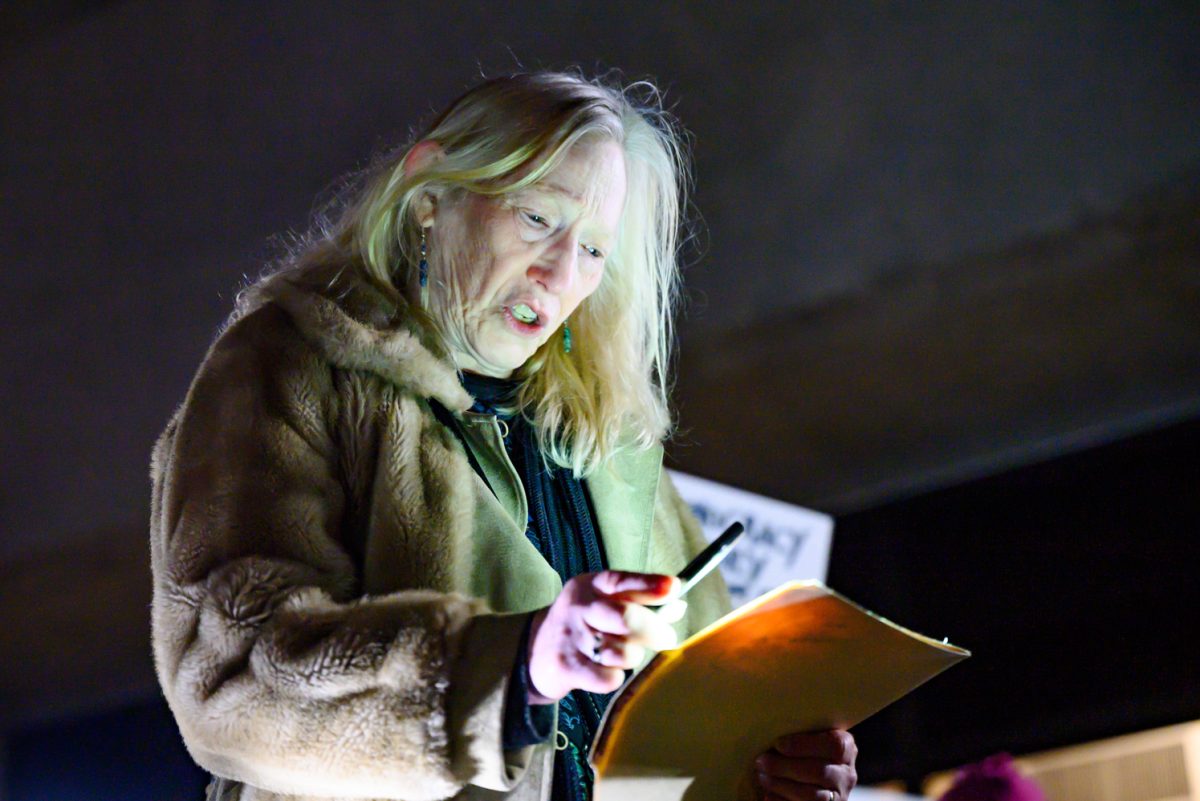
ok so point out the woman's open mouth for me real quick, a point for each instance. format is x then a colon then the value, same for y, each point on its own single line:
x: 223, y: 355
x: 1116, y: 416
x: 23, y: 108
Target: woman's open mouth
x: 524, y: 319
x: 524, y: 314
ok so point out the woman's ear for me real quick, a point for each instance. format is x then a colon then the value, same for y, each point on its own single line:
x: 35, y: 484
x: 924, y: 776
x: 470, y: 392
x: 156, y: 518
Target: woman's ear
x: 422, y: 156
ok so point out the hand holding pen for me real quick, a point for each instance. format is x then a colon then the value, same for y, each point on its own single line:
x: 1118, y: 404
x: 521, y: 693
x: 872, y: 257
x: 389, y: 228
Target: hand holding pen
x: 600, y: 624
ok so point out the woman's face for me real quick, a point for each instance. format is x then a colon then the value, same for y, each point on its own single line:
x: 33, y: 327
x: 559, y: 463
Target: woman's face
x: 506, y: 271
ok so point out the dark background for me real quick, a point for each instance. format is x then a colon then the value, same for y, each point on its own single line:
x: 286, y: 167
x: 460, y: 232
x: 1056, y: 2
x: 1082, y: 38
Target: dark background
x: 949, y: 292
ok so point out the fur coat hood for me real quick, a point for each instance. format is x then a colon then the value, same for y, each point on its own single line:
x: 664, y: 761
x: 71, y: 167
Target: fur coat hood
x: 338, y: 596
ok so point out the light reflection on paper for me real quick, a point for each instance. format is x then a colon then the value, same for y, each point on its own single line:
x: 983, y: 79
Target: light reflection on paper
x: 782, y: 541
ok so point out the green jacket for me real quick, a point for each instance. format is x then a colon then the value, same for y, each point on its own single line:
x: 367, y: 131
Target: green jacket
x: 338, y: 596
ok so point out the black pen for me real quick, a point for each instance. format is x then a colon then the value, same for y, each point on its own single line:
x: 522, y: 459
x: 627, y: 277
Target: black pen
x: 709, y: 558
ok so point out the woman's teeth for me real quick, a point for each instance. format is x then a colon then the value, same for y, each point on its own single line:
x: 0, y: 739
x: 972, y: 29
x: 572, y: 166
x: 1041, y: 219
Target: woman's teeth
x: 524, y: 314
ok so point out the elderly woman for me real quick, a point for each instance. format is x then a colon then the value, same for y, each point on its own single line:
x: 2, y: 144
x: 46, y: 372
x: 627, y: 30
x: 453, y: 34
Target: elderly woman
x: 407, y: 520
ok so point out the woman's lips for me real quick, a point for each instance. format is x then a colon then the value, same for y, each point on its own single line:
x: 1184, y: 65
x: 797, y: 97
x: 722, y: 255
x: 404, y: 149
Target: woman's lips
x: 543, y: 313
x: 528, y: 329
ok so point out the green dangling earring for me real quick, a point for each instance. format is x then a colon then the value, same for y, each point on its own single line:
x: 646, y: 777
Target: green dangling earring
x: 566, y: 337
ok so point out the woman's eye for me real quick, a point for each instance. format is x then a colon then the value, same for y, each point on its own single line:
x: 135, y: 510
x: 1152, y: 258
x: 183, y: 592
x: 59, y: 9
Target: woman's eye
x: 593, y: 252
x: 536, y: 219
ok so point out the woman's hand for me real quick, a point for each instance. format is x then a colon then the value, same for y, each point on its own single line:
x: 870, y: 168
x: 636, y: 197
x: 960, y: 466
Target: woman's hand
x: 597, y: 628
x: 816, y: 766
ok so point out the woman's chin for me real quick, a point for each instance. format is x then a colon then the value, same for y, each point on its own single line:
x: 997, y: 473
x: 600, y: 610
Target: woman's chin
x: 500, y: 363
x: 501, y: 348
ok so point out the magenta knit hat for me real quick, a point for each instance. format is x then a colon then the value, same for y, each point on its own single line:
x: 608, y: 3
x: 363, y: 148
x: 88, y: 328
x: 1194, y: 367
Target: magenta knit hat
x: 993, y: 779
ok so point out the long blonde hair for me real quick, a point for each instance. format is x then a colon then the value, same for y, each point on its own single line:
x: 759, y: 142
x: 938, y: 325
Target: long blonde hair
x: 503, y: 135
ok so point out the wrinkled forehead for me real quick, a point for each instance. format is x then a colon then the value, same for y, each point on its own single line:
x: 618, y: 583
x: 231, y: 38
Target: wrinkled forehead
x: 590, y: 176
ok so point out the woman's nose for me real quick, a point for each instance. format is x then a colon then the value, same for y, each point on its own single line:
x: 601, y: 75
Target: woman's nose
x: 556, y: 268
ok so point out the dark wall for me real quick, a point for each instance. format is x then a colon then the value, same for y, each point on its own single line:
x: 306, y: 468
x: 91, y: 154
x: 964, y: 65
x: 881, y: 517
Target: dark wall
x: 132, y: 754
x: 150, y: 150
x: 917, y: 213
x: 1076, y: 584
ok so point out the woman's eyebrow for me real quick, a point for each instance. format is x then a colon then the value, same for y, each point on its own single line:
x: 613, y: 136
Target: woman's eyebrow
x: 561, y: 190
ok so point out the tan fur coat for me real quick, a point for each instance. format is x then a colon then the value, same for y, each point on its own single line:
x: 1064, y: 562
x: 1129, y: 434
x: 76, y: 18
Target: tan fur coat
x: 338, y: 596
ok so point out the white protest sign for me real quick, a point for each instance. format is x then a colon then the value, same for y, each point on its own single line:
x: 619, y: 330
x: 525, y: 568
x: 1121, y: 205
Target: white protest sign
x: 782, y: 541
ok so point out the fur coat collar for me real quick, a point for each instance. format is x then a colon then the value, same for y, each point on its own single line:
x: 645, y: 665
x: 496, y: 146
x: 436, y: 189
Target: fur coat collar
x: 358, y: 326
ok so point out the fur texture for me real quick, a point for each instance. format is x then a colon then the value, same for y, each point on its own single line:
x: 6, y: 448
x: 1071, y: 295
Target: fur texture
x: 332, y: 616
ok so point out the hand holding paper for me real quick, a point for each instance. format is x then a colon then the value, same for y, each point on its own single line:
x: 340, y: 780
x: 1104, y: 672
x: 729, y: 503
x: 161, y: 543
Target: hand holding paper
x: 809, y: 765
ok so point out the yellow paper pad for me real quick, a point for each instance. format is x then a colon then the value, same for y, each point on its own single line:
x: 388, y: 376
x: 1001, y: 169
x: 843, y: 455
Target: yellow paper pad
x: 800, y: 658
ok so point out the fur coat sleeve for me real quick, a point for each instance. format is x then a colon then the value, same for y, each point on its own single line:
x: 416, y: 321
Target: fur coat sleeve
x: 280, y: 673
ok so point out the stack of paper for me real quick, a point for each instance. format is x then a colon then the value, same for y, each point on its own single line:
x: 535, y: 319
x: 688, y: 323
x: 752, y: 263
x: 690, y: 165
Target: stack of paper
x: 800, y: 658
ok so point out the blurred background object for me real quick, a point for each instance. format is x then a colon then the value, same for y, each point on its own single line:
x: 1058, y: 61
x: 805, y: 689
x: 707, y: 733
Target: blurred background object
x: 993, y: 779
x: 952, y: 269
x: 1158, y: 764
